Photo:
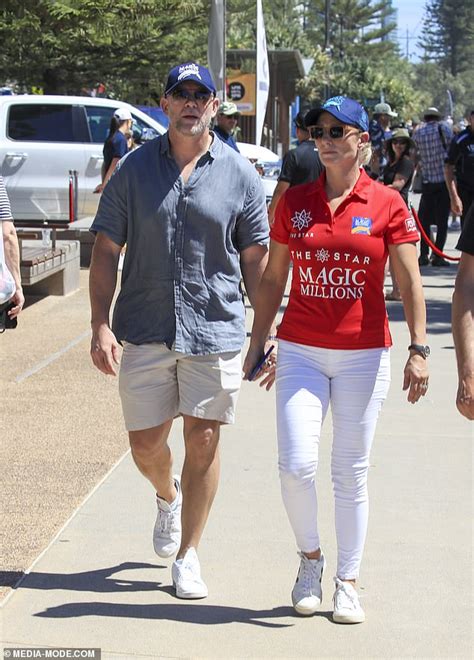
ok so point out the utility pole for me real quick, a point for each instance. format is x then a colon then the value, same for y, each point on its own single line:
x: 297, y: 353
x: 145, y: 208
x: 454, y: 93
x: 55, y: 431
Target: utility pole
x: 327, y: 45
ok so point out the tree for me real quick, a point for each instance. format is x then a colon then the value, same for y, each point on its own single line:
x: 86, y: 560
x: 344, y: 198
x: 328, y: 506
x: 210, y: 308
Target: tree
x: 67, y: 45
x: 355, y: 27
x: 448, y: 34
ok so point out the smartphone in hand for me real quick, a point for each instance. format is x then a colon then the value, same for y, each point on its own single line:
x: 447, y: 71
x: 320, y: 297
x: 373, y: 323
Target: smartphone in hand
x: 260, y: 363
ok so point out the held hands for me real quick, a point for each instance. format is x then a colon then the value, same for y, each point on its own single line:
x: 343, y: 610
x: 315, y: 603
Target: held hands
x: 105, y: 350
x: 415, y: 377
x: 267, y: 371
x: 465, y: 396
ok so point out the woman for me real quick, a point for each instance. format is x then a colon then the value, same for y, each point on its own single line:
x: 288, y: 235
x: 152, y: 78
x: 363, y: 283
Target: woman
x: 11, y: 292
x: 334, y: 340
x: 398, y: 175
x: 399, y: 171
x: 116, y: 145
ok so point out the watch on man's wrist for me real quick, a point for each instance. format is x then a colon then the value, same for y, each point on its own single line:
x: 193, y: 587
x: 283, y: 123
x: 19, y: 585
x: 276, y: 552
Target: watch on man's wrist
x: 421, y: 349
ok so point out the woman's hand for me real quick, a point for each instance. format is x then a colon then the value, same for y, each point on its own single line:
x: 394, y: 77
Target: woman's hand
x: 19, y: 300
x: 415, y: 377
x: 268, y: 370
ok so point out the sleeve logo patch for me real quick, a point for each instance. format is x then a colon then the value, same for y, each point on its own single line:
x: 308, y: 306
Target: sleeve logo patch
x: 301, y: 219
x: 410, y: 224
x: 361, y: 225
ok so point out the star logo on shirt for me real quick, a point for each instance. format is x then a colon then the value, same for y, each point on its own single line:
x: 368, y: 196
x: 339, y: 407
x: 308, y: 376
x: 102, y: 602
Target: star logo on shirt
x: 301, y: 219
x: 322, y: 255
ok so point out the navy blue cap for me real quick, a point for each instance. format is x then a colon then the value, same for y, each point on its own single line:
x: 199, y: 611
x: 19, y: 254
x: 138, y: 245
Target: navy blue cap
x: 190, y: 71
x: 343, y: 108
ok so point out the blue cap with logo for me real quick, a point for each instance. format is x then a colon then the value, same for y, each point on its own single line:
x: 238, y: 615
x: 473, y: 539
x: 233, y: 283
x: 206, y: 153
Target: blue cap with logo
x: 190, y: 71
x: 343, y: 108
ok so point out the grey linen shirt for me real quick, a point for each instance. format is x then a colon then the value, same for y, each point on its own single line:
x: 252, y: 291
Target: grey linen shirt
x: 181, y: 274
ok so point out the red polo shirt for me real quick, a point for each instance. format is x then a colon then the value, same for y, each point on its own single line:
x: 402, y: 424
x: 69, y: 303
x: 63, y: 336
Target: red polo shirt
x: 337, y: 297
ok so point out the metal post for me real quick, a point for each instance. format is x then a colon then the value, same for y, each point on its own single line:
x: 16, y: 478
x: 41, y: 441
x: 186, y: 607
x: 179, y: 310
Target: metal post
x: 224, y: 58
x: 327, y: 39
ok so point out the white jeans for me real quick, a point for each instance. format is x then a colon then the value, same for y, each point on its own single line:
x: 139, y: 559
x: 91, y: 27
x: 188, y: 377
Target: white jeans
x: 356, y: 383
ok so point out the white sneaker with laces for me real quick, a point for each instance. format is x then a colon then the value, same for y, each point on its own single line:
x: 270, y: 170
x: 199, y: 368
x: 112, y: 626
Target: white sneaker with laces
x: 307, y: 593
x: 186, y: 574
x: 347, y: 607
x: 167, y: 530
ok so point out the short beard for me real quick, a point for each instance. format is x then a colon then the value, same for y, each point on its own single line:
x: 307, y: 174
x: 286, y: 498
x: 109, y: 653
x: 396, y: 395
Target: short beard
x: 198, y: 129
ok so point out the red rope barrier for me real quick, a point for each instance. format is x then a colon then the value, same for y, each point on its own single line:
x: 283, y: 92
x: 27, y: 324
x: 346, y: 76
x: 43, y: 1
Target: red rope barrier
x: 428, y: 239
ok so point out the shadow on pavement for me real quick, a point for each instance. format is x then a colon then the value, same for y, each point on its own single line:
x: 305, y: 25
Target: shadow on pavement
x: 187, y: 613
x: 438, y: 315
x: 97, y: 581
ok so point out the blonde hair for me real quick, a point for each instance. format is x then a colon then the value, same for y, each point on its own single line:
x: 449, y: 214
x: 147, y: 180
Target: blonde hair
x: 365, y: 153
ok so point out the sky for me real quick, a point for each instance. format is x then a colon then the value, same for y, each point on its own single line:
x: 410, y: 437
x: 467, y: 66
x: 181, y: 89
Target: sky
x: 410, y: 15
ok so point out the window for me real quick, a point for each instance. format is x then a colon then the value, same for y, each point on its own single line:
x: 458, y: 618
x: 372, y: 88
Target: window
x: 99, y: 122
x: 41, y: 123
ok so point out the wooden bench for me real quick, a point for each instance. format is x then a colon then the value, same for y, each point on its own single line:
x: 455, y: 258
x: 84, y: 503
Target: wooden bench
x: 49, y: 270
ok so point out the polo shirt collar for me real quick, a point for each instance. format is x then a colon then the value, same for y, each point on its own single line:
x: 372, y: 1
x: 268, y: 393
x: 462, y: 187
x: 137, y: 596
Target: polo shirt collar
x: 360, y: 189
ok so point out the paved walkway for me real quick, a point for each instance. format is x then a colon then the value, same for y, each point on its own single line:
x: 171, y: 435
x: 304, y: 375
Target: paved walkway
x: 99, y: 583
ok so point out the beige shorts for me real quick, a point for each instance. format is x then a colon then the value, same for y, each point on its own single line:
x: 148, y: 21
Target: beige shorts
x: 157, y: 384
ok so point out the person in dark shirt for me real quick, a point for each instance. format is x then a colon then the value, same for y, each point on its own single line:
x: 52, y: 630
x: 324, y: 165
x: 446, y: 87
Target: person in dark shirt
x: 379, y: 131
x: 226, y: 121
x: 300, y: 165
x: 459, y: 171
x: 116, y: 145
x: 399, y: 171
x: 463, y: 318
x: 398, y: 174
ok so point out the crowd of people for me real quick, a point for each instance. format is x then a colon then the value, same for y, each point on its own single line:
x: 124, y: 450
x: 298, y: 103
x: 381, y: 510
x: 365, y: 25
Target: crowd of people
x: 197, y: 230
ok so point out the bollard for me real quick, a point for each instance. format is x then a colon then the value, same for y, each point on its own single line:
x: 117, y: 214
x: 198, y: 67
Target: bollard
x: 46, y: 237
x: 73, y: 195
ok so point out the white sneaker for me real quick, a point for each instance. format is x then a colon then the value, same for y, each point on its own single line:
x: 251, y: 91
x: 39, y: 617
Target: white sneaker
x: 186, y: 574
x: 167, y: 530
x: 347, y: 607
x: 307, y: 593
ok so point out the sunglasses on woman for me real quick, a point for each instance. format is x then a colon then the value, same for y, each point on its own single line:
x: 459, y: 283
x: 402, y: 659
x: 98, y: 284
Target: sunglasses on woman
x: 400, y: 141
x: 334, y: 132
x: 200, y: 95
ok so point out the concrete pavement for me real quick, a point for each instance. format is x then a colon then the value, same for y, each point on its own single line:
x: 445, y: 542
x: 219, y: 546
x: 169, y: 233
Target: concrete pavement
x: 99, y: 583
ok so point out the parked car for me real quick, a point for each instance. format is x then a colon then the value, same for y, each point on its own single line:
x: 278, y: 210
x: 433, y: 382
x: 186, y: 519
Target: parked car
x: 266, y: 161
x: 42, y: 138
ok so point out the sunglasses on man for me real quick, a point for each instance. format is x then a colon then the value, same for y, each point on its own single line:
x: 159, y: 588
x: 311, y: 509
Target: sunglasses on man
x: 200, y: 95
x: 334, y: 132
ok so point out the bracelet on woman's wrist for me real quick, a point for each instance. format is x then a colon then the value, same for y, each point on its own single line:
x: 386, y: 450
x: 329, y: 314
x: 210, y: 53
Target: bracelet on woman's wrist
x: 272, y: 337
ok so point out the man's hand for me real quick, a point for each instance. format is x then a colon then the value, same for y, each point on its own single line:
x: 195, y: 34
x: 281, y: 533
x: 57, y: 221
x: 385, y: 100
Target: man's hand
x: 268, y: 370
x: 456, y: 205
x: 99, y: 188
x: 465, y: 397
x: 105, y: 350
x: 415, y: 377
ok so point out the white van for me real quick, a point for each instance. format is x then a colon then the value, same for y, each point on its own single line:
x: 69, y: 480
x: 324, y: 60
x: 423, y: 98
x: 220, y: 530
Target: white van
x: 42, y: 138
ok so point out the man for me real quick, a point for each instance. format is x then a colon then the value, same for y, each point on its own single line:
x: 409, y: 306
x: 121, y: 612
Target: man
x: 463, y: 318
x: 11, y: 250
x: 379, y: 131
x: 432, y: 140
x: 300, y: 165
x: 227, y: 118
x: 459, y: 170
x: 193, y: 215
